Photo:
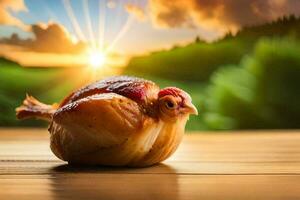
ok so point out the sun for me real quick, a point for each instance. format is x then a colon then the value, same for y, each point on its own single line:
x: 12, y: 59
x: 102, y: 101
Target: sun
x: 97, y: 59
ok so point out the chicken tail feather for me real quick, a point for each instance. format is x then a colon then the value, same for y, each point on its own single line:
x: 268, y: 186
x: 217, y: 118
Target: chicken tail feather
x: 32, y: 108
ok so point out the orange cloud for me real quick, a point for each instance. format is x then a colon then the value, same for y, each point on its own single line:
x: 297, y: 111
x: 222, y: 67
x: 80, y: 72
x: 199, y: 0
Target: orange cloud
x: 54, y: 38
x: 6, y: 18
x: 220, y: 15
x: 136, y: 11
x: 51, y: 38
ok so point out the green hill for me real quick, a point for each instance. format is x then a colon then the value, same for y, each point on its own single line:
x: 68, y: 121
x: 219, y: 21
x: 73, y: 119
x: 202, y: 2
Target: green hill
x: 198, y: 60
x: 47, y: 84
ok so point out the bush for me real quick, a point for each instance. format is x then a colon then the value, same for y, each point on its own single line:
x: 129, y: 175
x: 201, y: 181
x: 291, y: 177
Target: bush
x: 262, y: 92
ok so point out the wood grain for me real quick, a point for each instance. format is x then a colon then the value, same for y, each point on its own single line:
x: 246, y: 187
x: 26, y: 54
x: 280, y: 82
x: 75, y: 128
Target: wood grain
x: 226, y: 165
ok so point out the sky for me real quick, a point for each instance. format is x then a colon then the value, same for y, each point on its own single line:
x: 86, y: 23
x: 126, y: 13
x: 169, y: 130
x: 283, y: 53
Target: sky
x: 63, y: 29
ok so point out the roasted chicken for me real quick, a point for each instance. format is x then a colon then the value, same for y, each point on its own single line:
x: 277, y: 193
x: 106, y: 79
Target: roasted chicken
x: 119, y: 121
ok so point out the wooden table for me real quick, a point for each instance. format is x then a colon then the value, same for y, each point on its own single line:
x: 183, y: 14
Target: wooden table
x: 232, y: 165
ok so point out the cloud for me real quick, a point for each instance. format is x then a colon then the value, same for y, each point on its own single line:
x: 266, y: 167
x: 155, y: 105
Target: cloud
x: 54, y: 38
x: 220, y: 15
x: 51, y: 38
x: 136, y: 11
x: 6, y: 17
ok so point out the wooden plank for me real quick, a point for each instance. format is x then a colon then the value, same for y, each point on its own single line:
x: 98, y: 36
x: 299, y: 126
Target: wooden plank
x: 36, y: 168
x: 226, y: 153
x: 230, y: 165
x: 149, y: 186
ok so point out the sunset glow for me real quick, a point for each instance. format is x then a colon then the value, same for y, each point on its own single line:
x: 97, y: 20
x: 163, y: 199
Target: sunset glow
x: 57, y: 33
x: 97, y: 59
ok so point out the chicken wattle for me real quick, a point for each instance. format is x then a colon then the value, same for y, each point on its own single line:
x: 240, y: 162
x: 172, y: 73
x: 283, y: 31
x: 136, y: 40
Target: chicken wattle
x: 119, y: 121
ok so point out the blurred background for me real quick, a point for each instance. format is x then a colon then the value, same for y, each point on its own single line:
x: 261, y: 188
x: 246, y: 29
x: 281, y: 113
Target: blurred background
x: 239, y: 60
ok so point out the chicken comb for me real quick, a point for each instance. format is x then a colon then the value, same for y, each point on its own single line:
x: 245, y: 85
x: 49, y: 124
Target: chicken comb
x: 174, y: 91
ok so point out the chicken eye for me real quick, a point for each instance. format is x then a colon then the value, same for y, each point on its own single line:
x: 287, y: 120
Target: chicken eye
x: 170, y: 104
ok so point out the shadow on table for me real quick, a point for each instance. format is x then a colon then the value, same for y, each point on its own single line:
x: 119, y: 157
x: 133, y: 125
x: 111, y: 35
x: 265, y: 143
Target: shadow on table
x: 75, y: 182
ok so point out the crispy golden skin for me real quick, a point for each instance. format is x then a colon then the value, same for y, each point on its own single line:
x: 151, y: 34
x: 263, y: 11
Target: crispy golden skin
x: 119, y: 121
x: 109, y: 129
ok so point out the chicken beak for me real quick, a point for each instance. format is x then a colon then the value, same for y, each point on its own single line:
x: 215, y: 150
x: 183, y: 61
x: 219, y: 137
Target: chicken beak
x: 190, y: 108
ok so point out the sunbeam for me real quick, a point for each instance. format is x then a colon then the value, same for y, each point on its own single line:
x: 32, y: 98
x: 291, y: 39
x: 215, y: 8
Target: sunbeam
x: 102, y: 12
x: 73, y: 20
x: 88, y: 22
x: 120, y: 34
